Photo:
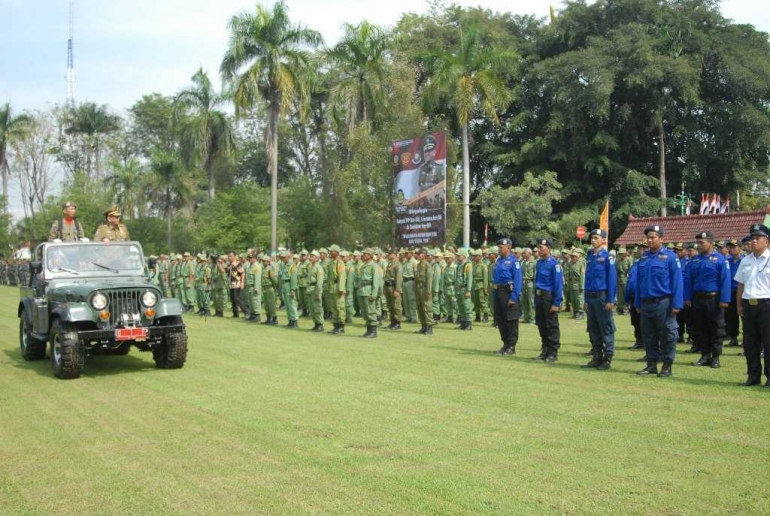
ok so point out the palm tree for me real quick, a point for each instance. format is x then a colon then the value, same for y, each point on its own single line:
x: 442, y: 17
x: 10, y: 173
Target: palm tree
x: 11, y: 128
x: 171, y: 184
x: 93, y: 123
x: 126, y: 184
x: 471, y: 80
x: 205, y: 132
x: 359, y: 61
x: 264, y: 61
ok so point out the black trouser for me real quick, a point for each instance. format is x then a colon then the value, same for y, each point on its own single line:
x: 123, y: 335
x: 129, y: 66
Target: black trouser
x: 709, y: 320
x: 506, y: 317
x: 732, y: 321
x: 237, y: 302
x: 756, y: 337
x: 547, y: 322
x: 682, y: 319
x: 636, y: 319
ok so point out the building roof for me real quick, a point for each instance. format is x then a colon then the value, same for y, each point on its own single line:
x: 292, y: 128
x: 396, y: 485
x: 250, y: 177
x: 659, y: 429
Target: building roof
x: 724, y: 226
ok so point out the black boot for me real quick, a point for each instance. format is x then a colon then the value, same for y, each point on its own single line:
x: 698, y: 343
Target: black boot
x: 551, y: 357
x: 256, y: 318
x: 502, y: 350
x: 273, y: 321
x: 468, y: 326
x: 485, y: 319
x: 318, y: 327
x: 339, y: 330
x: 606, y: 363
x: 293, y: 325
x: 218, y: 313
x: 428, y: 330
x: 652, y: 368
x: 595, y: 362
x: 436, y: 318
x: 542, y: 355
x: 704, y: 360
x: 579, y: 316
x: 715, y: 363
x: 334, y: 329
x: 370, y: 332
x: 449, y: 319
x: 396, y: 326
x: 665, y: 371
x: 511, y: 350
x: 421, y: 330
x: 478, y: 318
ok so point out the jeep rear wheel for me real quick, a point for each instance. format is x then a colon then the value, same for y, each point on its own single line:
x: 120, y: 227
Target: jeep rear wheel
x: 171, y: 353
x: 31, y: 348
x: 67, y: 353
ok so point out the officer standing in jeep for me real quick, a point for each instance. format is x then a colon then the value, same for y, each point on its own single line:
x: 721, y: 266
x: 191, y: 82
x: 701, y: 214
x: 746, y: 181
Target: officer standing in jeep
x: 67, y: 228
x: 112, y: 230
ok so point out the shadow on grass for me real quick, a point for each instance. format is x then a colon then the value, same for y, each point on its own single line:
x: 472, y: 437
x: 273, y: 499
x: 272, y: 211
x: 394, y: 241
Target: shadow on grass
x: 96, y: 366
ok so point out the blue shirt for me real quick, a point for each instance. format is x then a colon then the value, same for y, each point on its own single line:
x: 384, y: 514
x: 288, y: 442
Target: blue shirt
x: 550, y: 277
x: 708, y: 273
x: 601, y: 274
x: 659, y: 275
x: 734, y: 264
x: 508, y: 272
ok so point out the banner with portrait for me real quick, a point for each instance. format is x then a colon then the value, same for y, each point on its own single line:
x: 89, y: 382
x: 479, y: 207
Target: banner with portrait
x: 419, y: 168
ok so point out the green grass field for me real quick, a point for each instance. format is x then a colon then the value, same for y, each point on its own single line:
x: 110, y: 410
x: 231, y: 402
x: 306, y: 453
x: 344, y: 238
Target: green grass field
x: 265, y: 420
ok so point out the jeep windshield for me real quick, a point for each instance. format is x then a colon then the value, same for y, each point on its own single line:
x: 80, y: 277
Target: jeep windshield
x: 79, y: 259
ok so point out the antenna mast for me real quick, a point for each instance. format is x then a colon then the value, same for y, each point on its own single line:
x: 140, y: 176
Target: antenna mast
x: 70, y: 58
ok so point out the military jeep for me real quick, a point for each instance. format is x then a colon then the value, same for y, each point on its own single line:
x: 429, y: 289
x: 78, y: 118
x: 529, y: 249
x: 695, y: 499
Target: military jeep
x: 89, y: 298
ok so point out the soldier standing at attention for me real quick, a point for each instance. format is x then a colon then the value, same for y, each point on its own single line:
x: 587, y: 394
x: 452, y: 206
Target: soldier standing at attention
x: 423, y: 281
x: 753, y: 279
x: 248, y: 283
x: 576, y: 275
x: 302, y: 270
x: 269, y: 286
x: 367, y: 287
x: 189, y: 272
x: 172, y: 276
x: 658, y: 299
x: 314, y: 293
x: 707, y: 291
x: 436, y: 286
x: 181, y: 276
x: 67, y: 228
x: 220, y: 280
x: 394, y: 285
x: 237, y: 278
x: 732, y: 320
x: 622, y: 267
x: 491, y: 260
x: 549, y: 285
x: 336, y: 288
x: 199, y: 288
x: 527, y: 303
x: 112, y: 230
x: 480, y: 286
x: 163, y: 274
x: 601, y: 292
x: 325, y: 261
x: 410, y: 305
x: 464, y: 290
x: 287, y: 280
x: 256, y: 293
x: 350, y: 285
x: 507, y: 282
x: 448, y: 278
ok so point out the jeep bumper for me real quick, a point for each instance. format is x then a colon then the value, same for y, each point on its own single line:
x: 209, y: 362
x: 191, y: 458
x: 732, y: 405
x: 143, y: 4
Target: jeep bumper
x: 152, y: 331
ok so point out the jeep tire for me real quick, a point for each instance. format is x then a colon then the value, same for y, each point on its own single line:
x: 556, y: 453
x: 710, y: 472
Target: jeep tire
x: 171, y: 353
x: 67, y: 353
x: 31, y: 348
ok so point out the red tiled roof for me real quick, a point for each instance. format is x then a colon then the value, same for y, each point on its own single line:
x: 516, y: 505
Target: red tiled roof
x: 726, y: 226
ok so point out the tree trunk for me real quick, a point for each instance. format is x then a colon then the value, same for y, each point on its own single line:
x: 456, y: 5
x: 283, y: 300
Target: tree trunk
x: 272, y: 169
x: 662, y: 167
x: 6, y: 173
x: 168, y: 216
x: 209, y: 166
x: 466, y: 190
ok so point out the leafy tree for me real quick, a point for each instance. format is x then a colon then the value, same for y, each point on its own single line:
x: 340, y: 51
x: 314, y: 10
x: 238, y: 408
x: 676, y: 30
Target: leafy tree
x: 172, y: 187
x: 472, y: 80
x: 151, y: 124
x: 92, y: 123
x: 264, y: 61
x: 11, y: 128
x: 125, y: 184
x: 206, y: 133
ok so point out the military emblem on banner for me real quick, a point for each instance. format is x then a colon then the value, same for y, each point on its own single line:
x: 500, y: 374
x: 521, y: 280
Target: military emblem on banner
x: 406, y: 158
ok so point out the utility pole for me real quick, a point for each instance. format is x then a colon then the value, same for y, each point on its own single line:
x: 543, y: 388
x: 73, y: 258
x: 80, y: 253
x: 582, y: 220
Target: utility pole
x: 71, y: 58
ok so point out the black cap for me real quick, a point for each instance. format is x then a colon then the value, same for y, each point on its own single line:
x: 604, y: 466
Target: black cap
x: 505, y: 241
x: 759, y: 230
x: 545, y: 241
x: 705, y: 235
x: 597, y: 232
x: 657, y: 229
x: 746, y: 239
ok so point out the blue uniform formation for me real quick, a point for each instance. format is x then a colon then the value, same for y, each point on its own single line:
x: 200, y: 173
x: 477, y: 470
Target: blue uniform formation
x: 600, y: 299
x: 506, y: 293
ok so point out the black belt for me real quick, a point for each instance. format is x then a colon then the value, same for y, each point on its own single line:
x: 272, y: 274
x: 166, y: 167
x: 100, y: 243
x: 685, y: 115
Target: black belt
x: 600, y: 293
x: 542, y: 292
x: 655, y: 299
x: 390, y: 283
x: 365, y: 284
x: 755, y: 302
x: 706, y: 294
x: 506, y: 286
x: 411, y: 278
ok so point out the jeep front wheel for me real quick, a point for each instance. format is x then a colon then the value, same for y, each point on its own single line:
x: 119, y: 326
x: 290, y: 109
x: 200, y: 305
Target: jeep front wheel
x: 171, y: 353
x: 31, y: 348
x: 67, y: 353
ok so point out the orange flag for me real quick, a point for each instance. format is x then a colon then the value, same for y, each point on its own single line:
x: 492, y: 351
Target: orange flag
x: 604, y: 220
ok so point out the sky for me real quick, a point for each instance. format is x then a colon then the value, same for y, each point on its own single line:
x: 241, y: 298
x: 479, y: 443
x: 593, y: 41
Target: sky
x: 124, y: 49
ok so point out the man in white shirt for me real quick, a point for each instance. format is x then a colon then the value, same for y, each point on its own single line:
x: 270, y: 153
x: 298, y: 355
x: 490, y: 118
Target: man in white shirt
x: 753, y: 279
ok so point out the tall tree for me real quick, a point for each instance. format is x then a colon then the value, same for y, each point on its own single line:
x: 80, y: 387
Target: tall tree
x: 11, y: 128
x: 32, y: 161
x: 125, y: 184
x: 359, y: 62
x: 206, y: 133
x: 264, y: 61
x: 471, y: 79
x: 92, y: 123
x: 172, y: 186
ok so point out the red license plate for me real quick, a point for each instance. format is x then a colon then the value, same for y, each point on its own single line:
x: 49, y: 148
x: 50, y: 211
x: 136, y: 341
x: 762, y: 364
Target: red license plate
x: 131, y: 334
